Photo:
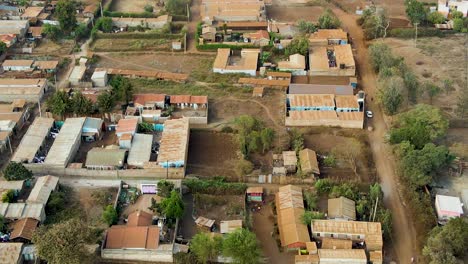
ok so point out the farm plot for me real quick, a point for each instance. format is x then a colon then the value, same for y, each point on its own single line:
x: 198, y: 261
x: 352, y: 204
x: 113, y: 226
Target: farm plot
x: 220, y: 207
x: 110, y: 45
x: 135, y: 6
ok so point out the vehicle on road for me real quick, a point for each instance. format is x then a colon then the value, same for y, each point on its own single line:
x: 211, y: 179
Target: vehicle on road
x: 369, y: 114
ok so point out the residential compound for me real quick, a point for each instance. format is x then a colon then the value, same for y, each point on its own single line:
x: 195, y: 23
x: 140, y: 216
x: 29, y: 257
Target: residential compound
x: 31, y: 90
x: 447, y: 6
x: 228, y: 62
x: 232, y: 10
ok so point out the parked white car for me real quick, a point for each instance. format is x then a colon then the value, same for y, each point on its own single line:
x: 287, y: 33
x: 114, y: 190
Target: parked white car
x: 369, y: 114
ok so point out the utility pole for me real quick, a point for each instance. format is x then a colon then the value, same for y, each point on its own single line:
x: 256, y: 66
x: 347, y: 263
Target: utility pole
x: 39, y: 105
x: 416, y: 34
x: 9, y: 144
x: 100, y: 4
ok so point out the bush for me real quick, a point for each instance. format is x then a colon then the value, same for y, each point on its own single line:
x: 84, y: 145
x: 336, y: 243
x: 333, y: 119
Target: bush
x: 227, y: 129
x: 110, y: 216
x: 436, y: 18
x: 308, y: 217
x: 148, y: 8
x: 215, y: 187
x: 407, y: 33
x: 134, y: 15
x: 330, y: 160
x: 323, y: 186
x: 8, y: 196
x: 16, y: 172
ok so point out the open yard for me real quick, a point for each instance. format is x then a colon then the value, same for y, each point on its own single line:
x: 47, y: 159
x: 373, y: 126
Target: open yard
x: 135, y: 6
x: 49, y: 48
x: 93, y: 201
x: 433, y: 61
x: 294, y: 13
x: 219, y: 208
x: 324, y: 140
x: 131, y: 44
x: 212, y: 154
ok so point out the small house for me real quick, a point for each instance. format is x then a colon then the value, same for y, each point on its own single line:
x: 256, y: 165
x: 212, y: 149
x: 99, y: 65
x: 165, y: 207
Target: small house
x: 23, y: 230
x: 149, y: 101
x: 150, y: 115
x: 254, y: 194
x: 99, y: 78
x: 341, y: 208
x: 42, y: 189
x: 198, y: 101
x: 290, y: 161
x: 10, y: 253
x: 125, y: 141
x: 230, y: 226
x: 296, y: 65
x: 15, y: 186
x: 258, y: 91
x: 181, y: 101
x: 92, y: 129
x: 448, y: 207
x: 176, y: 45
x: 260, y: 38
x: 205, y: 223
x: 126, y: 126
x: 309, y: 163
x: 209, y: 33
x: 110, y: 158
x: 18, y: 65
x: 46, y: 66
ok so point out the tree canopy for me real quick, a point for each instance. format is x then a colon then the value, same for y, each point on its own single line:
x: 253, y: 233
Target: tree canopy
x: 348, y: 153
x: 420, y: 125
x: 110, y: 216
x: 375, y: 24
x: 59, y: 103
x: 415, y: 11
x: 298, y: 45
x: 104, y: 24
x: 205, y: 247
x: 252, y: 135
x: 436, y: 18
x: 173, y: 206
x: 176, y: 7
x: 306, y: 26
x: 328, y: 20
x: 448, y: 244
x: 105, y: 102
x: 390, y: 94
x: 16, y: 172
x: 122, y: 89
x: 80, y: 105
x: 63, y: 242
x: 66, y: 14
x: 3, y: 47
x: 242, y: 246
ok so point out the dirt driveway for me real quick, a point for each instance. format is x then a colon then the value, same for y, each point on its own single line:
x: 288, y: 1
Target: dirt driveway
x: 404, y: 235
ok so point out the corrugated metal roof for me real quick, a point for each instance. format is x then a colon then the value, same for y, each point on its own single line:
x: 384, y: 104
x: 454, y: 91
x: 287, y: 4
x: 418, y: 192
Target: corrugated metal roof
x: 174, y: 141
x: 10, y: 253
x: 33, y: 139
x: 24, y: 228
x: 42, y: 189
x: 140, y: 152
x: 105, y: 157
x: 309, y: 163
x: 342, y: 207
x: 298, y: 88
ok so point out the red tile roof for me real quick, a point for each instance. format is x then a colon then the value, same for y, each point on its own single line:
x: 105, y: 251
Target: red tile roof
x: 142, y: 99
x: 127, y: 125
x: 141, y: 237
x: 178, y: 99
x: 24, y: 228
x: 198, y: 99
x: 261, y: 34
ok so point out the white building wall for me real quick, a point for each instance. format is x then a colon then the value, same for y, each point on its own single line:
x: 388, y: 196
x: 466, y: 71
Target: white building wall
x: 224, y: 71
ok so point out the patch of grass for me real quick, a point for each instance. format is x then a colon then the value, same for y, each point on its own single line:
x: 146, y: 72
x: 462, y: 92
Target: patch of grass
x: 169, y: 87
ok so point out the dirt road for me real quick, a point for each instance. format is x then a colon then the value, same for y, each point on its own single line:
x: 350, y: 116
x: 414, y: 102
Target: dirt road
x: 404, y: 235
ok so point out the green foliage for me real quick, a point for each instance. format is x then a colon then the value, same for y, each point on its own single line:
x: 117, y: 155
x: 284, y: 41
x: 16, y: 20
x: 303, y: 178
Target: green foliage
x: 311, y: 199
x: 436, y: 18
x: 109, y: 215
x: 80, y: 105
x: 323, y: 186
x: 330, y: 160
x: 347, y: 190
x: 328, y: 20
x: 390, y: 95
x: 384, y: 216
x: 53, y: 32
x: 374, y: 23
x: 66, y: 14
x: 101, y: 197
x: 63, y: 242
x: 81, y: 31
x: 205, y: 247
x: 3, y: 47
x: 448, y: 244
x: 59, y: 103
x: 106, y: 102
x: 215, y: 187
x: 307, y: 217
x: 145, y: 127
x: 432, y: 90
x: 173, y: 206
x: 411, y: 83
x: 458, y: 24
x: 104, y: 24
x: 419, y: 166
x: 420, y: 125
x: 243, y: 167
x: 298, y: 45
x: 306, y: 26
x: 415, y: 11
x: 8, y: 196
x: 176, y: 7
x: 165, y: 188
x: 61, y: 206
x: 122, y: 89
x: 242, y: 246
x: 3, y: 225
x: 148, y: 8
x: 16, y: 172
x: 56, y: 202
x: 252, y: 135
x: 296, y: 140
x: 381, y: 57
x: 456, y: 14
x: 409, y: 33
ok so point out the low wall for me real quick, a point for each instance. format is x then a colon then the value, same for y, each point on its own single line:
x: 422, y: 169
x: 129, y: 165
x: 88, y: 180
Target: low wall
x: 323, y: 122
x: 153, y: 173
x: 162, y: 254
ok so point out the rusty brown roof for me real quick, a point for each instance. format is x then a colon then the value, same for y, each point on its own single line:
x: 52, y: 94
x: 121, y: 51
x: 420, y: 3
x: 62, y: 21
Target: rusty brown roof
x: 24, y: 228
x: 180, y: 99
x: 132, y: 237
x: 140, y: 218
x: 199, y: 99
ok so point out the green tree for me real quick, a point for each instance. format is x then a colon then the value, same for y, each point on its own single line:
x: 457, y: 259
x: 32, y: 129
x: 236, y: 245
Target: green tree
x: 347, y: 190
x: 436, y: 18
x: 415, y: 11
x: 296, y: 140
x: 242, y: 246
x: 266, y: 136
x: 323, y: 186
x: 307, y: 217
x: 411, y: 82
x: 381, y: 57
x: 81, y: 31
x: 149, y: 8
x: 384, y: 216
x: 2, y: 224
x: 176, y: 7
x: 448, y: 244
x: 104, y: 24
x: 462, y: 104
x: 298, y: 45
x: 243, y: 167
x: 447, y: 85
x: 3, y: 47
x: 16, y: 172
x: 52, y: 31
x: 80, y: 105
x: 328, y: 20
x: 59, y: 103
x: 66, y: 14
x: 56, y: 203
x: 122, y: 89
x: 165, y: 188
x: 109, y: 215
x: 420, y: 125
x: 432, y: 90
x: 390, y: 95
x: 375, y: 24
x: 144, y: 127
x: 458, y: 24
x: 173, y: 206
x: 8, y: 196
x: 205, y: 247
x: 311, y: 199
x: 63, y: 242
x: 420, y: 166
x: 106, y: 103
x: 306, y: 26
x: 456, y: 14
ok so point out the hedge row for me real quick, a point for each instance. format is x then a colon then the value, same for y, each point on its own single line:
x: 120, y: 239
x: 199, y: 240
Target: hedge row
x: 135, y: 35
x: 221, y: 46
x: 422, y: 32
x: 179, y: 18
x: 134, y: 15
x: 215, y: 187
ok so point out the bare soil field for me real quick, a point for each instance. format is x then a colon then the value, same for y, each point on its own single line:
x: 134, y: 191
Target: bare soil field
x: 48, y: 47
x: 294, y: 13
x: 432, y: 61
x: 323, y: 143
x: 91, y: 208
x: 212, y: 153
x: 135, y: 6
x: 219, y: 208
x: 154, y: 61
x: 110, y: 45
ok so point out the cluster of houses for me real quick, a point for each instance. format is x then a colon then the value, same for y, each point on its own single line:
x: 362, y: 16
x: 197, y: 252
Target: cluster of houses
x: 337, y: 239
x: 23, y: 216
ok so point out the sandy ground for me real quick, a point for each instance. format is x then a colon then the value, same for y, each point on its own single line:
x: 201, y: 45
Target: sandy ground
x: 294, y: 13
x: 135, y: 6
x: 263, y: 223
x: 143, y: 203
x: 404, y: 235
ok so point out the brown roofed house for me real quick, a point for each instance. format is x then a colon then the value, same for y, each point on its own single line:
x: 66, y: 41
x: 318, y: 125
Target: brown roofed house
x: 260, y: 38
x: 23, y: 230
x: 341, y: 208
x: 309, y: 163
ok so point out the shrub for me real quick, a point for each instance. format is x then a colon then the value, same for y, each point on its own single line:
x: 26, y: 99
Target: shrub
x: 16, y: 172
x: 8, y: 196
x: 215, y: 187
x: 110, y: 216
x: 323, y: 186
